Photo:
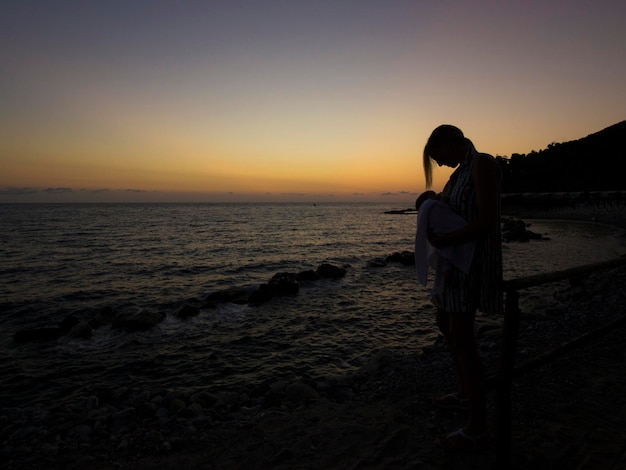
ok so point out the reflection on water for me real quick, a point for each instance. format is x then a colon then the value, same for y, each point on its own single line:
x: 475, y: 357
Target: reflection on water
x: 76, y: 259
x: 570, y: 244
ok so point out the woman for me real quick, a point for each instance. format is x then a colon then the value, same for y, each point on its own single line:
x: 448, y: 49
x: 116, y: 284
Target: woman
x: 473, y: 192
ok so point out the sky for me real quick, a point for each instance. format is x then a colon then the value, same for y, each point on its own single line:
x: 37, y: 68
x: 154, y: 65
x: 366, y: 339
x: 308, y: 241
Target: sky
x: 289, y: 100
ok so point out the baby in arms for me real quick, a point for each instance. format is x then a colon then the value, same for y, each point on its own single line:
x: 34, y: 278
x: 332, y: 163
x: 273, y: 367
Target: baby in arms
x: 437, y: 216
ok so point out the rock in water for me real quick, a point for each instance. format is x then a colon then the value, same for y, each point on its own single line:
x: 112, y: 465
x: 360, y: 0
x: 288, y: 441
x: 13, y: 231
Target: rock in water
x: 283, y: 284
x: 37, y: 334
x: 141, y: 321
x: 330, y: 271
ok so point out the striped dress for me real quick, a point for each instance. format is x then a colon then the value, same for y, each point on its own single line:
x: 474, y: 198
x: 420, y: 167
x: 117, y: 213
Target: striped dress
x: 479, y: 289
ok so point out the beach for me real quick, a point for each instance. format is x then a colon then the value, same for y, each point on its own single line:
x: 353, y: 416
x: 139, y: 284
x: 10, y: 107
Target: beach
x: 568, y: 413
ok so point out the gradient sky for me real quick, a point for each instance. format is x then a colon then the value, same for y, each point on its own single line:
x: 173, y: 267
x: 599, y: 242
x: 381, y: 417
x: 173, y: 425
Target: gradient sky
x: 267, y: 100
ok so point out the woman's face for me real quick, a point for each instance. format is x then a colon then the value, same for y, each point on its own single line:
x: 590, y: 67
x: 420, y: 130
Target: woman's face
x: 446, y: 154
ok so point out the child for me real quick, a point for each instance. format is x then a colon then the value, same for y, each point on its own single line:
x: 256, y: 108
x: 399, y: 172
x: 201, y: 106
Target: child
x: 437, y: 216
x: 424, y: 197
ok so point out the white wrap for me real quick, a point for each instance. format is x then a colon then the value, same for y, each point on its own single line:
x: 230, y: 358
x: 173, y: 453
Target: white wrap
x: 441, y: 219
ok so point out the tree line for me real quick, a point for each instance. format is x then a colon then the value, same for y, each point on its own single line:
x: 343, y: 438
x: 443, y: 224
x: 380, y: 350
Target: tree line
x: 593, y: 163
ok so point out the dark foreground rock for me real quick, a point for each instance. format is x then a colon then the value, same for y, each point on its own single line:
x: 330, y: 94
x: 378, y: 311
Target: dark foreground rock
x: 70, y: 326
x: 330, y: 271
x: 141, y: 321
x: 281, y: 284
x: 516, y: 230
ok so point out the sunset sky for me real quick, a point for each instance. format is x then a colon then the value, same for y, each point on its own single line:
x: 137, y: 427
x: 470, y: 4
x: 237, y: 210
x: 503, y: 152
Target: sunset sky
x: 267, y: 100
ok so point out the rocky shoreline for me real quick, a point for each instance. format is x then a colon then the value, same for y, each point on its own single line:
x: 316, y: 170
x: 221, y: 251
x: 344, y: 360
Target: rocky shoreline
x: 574, y: 206
x: 119, y: 427
x: 281, y: 284
x: 283, y: 424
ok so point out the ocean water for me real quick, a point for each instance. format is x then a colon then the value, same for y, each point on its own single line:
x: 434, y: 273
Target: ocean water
x: 66, y: 259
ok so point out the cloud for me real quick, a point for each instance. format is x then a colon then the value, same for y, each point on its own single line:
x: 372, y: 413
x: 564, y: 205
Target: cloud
x: 96, y: 191
x: 399, y: 193
x: 18, y: 191
x: 107, y: 190
x: 58, y: 190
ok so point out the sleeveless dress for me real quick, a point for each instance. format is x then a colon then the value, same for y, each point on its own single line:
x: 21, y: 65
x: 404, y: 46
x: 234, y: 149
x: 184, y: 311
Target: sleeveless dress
x: 480, y: 288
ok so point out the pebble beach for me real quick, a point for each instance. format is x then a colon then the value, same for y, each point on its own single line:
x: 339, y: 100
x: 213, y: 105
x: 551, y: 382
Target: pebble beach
x: 567, y: 413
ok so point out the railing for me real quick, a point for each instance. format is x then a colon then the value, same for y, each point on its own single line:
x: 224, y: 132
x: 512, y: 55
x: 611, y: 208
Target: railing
x: 507, y: 370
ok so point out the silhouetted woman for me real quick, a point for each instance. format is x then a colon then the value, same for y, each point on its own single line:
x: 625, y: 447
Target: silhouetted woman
x: 473, y: 192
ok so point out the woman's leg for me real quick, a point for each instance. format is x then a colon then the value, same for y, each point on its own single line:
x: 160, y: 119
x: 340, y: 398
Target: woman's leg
x: 463, y: 344
x: 443, y: 322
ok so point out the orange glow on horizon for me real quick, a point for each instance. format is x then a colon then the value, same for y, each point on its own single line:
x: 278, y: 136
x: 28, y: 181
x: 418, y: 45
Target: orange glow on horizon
x: 332, y: 100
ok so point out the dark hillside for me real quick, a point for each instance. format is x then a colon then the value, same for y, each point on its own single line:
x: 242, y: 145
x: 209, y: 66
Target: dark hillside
x: 593, y: 163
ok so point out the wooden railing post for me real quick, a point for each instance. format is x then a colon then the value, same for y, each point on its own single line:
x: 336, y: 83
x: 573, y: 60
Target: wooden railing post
x: 510, y: 327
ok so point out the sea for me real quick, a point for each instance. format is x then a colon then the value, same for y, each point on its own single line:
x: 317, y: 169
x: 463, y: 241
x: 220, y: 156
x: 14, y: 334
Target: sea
x: 76, y: 259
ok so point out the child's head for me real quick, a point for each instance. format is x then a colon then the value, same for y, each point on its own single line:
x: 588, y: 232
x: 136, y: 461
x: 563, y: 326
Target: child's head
x: 423, y: 197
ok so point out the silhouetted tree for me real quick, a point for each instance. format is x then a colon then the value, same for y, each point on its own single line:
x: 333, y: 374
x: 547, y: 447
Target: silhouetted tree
x: 592, y: 163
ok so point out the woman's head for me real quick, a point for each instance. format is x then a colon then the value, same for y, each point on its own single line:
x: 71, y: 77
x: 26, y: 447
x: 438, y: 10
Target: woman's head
x: 423, y: 198
x: 446, y: 146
